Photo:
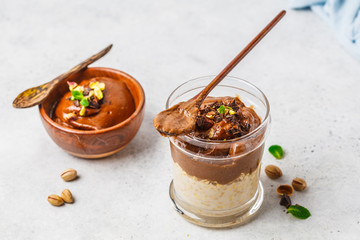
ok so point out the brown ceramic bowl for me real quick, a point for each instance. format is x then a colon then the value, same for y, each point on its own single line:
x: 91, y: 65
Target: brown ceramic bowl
x: 94, y: 143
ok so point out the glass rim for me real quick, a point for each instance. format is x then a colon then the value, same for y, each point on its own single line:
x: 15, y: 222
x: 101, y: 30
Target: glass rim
x: 207, y: 141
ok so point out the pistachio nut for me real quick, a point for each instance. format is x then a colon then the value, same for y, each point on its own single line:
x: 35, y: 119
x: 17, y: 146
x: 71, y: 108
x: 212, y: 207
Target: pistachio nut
x: 55, y: 200
x: 282, y: 189
x: 232, y: 112
x: 298, y: 184
x: 210, y: 116
x: 82, y: 111
x: 67, y: 196
x: 69, y: 174
x: 273, y: 171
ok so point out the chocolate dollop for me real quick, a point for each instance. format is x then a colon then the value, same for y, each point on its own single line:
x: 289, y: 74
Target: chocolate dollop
x: 211, y: 151
x: 116, y: 105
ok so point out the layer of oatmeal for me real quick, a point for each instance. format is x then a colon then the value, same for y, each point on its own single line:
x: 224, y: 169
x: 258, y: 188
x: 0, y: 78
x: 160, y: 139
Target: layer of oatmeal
x: 206, y: 195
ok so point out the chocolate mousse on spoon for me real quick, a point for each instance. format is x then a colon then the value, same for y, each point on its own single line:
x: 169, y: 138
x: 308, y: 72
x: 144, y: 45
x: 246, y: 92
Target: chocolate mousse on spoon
x: 181, y: 118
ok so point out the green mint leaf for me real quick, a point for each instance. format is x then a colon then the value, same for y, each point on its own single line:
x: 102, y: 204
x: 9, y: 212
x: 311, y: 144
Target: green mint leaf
x: 84, y: 102
x: 221, y: 109
x: 299, y: 211
x: 276, y: 151
x: 77, y: 95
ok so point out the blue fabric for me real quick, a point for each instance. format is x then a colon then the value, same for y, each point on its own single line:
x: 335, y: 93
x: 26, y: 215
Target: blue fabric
x: 342, y: 15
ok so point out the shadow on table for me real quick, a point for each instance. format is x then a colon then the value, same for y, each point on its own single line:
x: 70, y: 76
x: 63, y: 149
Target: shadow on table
x: 145, y: 140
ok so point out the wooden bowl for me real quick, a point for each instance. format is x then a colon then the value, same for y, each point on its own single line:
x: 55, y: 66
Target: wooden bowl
x: 94, y: 143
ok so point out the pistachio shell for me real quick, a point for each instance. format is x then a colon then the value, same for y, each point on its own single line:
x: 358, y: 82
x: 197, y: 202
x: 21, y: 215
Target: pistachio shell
x: 67, y: 196
x: 273, y: 171
x: 285, y: 189
x: 69, y: 174
x: 299, y: 184
x: 55, y: 200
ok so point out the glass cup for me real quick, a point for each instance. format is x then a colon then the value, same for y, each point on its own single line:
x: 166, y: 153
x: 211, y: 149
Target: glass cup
x: 217, y: 183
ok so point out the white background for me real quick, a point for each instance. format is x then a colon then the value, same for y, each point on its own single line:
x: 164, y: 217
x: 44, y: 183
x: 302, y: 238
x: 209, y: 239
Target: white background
x: 311, y: 82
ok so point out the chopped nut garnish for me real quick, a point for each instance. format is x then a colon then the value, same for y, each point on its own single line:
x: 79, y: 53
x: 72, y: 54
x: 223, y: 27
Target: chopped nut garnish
x: 69, y: 116
x: 79, y: 89
x: 98, y: 93
x: 91, y: 93
x: 72, y: 85
x: 227, y: 112
x: 211, y: 133
x: 99, y: 85
x: 82, y: 111
x: 86, y: 96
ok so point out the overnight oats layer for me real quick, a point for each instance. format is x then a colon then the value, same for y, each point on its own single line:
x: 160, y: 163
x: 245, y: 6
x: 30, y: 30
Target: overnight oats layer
x: 216, y: 167
x: 232, y: 179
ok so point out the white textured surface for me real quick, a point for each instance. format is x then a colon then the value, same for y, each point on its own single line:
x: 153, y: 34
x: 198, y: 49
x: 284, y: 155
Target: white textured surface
x: 312, y: 84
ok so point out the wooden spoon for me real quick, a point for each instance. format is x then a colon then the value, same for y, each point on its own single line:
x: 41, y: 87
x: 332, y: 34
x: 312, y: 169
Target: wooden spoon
x: 34, y: 96
x: 181, y: 118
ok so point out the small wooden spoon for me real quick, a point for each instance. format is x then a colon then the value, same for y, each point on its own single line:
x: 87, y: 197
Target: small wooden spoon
x: 34, y: 96
x: 181, y: 118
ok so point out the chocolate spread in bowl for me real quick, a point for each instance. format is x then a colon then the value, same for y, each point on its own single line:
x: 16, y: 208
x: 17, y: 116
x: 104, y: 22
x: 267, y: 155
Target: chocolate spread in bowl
x: 116, y: 105
x: 218, y: 149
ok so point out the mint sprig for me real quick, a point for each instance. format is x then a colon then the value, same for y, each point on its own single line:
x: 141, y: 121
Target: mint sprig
x: 84, y: 102
x: 299, y: 211
x: 221, y: 109
x: 77, y: 95
x: 276, y: 151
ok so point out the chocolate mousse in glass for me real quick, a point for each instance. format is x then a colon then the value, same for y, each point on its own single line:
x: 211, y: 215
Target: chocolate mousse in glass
x: 216, y: 167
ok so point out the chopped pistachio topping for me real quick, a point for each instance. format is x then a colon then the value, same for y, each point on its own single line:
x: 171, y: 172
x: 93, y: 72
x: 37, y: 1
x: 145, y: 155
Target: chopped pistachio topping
x: 82, y: 111
x: 98, y: 93
x: 211, y: 133
x: 69, y: 116
x: 72, y: 85
x: 91, y: 93
x: 98, y: 85
x: 225, y: 110
x: 79, y: 89
x: 209, y: 116
x: 77, y: 93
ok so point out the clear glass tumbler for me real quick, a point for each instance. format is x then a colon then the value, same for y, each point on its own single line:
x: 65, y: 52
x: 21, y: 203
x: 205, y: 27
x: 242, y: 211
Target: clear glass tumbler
x: 217, y: 183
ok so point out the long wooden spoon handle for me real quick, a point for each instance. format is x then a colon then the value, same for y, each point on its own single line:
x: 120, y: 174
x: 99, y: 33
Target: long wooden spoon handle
x: 35, y: 95
x: 83, y: 64
x: 203, y: 94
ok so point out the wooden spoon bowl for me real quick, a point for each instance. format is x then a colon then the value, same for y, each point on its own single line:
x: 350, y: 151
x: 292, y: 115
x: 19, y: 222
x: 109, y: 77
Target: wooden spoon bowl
x: 94, y: 143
